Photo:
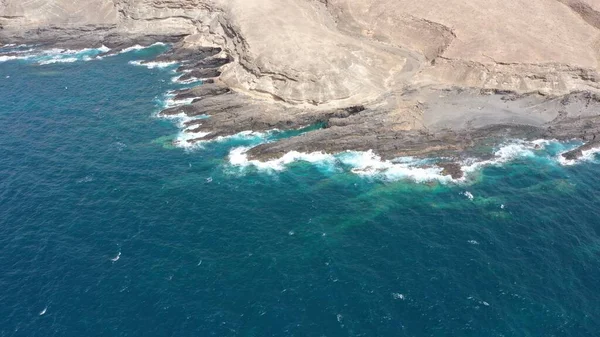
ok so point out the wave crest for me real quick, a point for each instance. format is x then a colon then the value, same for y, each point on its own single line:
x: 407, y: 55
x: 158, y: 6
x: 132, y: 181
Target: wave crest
x: 369, y: 164
x: 51, y: 56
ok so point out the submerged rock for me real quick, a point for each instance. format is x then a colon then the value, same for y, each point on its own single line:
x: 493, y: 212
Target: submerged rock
x: 453, y: 170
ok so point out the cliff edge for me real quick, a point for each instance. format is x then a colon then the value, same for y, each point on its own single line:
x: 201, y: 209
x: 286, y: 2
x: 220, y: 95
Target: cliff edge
x: 396, y: 76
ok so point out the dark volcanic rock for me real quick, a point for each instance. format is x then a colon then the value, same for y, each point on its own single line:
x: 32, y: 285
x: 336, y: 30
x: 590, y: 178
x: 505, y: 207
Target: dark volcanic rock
x: 118, y: 42
x: 186, y: 109
x: 453, y: 170
x: 211, y: 62
x: 200, y: 74
x: 188, y: 55
x: 206, y: 89
x: 578, y: 152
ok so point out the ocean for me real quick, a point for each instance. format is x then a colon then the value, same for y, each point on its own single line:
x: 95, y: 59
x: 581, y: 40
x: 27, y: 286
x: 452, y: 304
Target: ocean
x: 109, y: 229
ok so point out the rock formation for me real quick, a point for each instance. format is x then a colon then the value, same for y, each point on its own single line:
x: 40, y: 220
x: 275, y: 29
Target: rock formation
x: 396, y: 76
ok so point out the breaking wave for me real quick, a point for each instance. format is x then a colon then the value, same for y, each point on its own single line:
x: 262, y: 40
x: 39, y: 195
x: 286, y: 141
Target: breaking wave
x: 153, y: 64
x: 177, y: 79
x: 587, y: 156
x: 369, y: 164
x: 51, y: 56
x: 57, y: 55
x: 366, y: 164
x: 4, y: 58
x: 138, y: 47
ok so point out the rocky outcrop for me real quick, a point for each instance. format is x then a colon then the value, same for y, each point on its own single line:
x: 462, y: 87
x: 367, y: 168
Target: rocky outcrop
x: 400, y: 77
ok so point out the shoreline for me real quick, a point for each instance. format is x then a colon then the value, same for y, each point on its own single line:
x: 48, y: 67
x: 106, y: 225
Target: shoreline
x: 421, y: 122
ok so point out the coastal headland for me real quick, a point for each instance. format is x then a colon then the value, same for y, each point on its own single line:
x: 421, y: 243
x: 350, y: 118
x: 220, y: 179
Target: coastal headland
x: 400, y: 78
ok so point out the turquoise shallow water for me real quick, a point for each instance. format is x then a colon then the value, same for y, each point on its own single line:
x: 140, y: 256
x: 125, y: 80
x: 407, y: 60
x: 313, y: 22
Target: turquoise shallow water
x: 87, y: 175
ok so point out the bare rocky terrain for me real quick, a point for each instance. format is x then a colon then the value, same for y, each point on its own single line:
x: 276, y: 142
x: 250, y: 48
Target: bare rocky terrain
x: 399, y: 77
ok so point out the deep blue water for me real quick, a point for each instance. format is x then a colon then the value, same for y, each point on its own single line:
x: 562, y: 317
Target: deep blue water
x: 87, y: 173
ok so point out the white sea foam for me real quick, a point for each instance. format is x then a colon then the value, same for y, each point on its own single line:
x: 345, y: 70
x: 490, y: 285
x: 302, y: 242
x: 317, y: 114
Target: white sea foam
x: 177, y: 79
x: 182, y: 118
x: 153, y: 64
x: 542, y: 143
x: 85, y: 179
x: 513, y: 151
x: 469, y: 195
x: 564, y: 161
x: 239, y: 157
x: 132, y: 48
x: 58, y: 51
x: 59, y: 60
x: 189, y: 139
x: 55, y: 55
x: 369, y: 164
x: 116, y: 258
x: 247, y: 135
x: 177, y: 117
x: 4, y: 58
x: 506, y: 153
x: 361, y: 163
x: 171, y: 103
x: 398, y: 296
x: 139, y: 47
x: 586, y: 156
x: 22, y: 51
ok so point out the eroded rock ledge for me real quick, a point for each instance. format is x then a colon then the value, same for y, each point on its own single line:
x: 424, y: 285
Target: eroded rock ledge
x: 401, y: 78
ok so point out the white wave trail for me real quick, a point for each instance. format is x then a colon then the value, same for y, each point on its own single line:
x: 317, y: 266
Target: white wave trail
x: 139, y: 47
x: 59, y: 60
x: 506, y: 153
x: 239, y: 157
x: 586, y: 156
x: 103, y: 49
x: 189, y: 139
x: 116, y: 258
x: 153, y: 64
x: 361, y: 163
x: 177, y: 79
x: 59, y: 52
x: 171, y: 103
x: 181, y: 118
x: 368, y: 164
x: 4, y: 58
x: 247, y: 135
x: 55, y: 55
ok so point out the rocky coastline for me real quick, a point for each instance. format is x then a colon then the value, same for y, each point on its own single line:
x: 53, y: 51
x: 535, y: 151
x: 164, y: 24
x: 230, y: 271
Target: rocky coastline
x: 366, y: 89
